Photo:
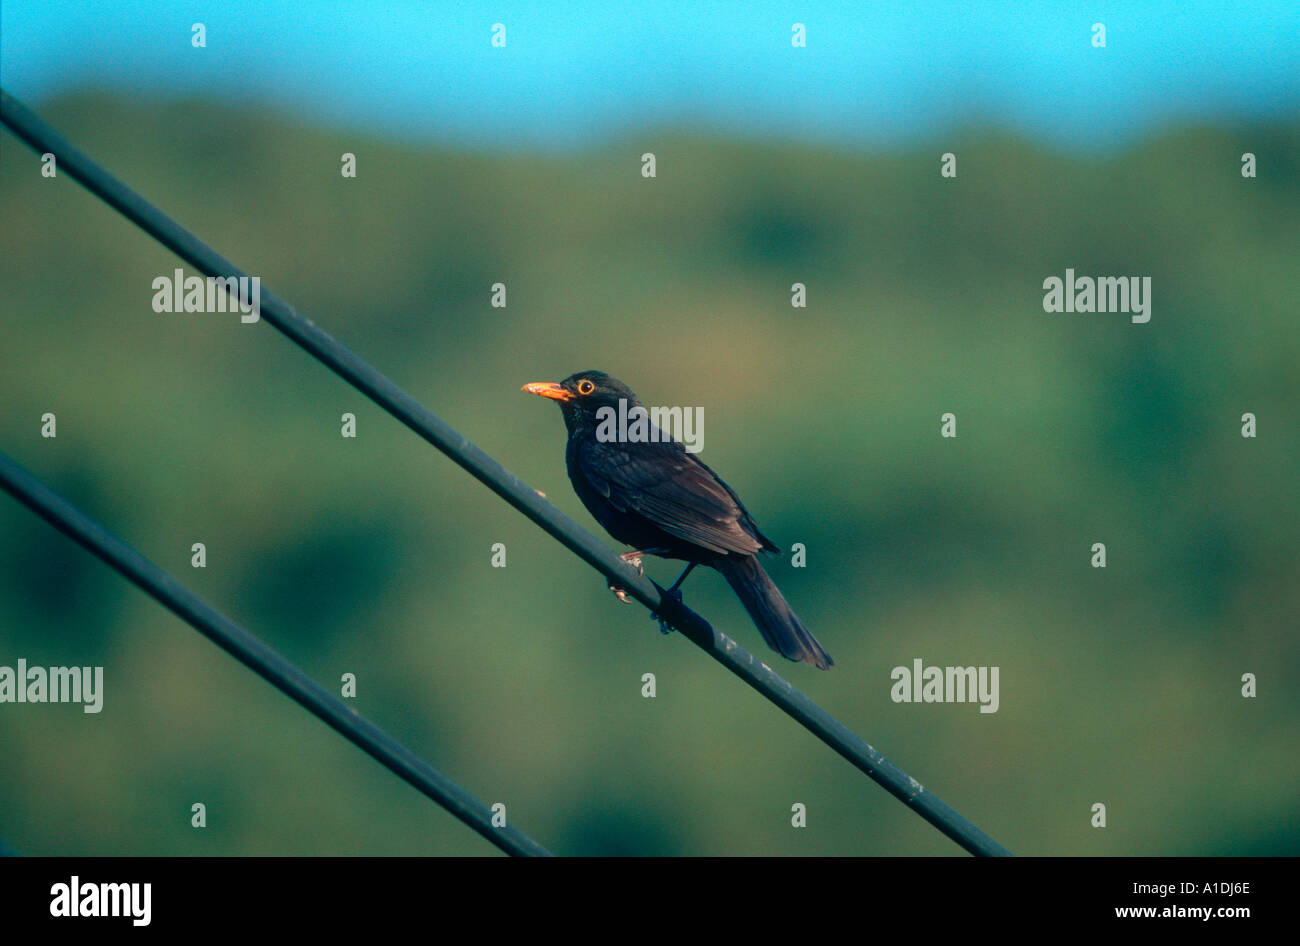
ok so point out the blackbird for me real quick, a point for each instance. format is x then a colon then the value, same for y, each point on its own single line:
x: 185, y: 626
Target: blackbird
x: 658, y: 498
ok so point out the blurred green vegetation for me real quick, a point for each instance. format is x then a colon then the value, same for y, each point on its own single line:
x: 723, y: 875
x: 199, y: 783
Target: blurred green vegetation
x: 372, y: 556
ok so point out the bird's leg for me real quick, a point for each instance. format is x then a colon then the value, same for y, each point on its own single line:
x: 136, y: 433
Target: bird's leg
x: 675, y: 595
x: 682, y: 577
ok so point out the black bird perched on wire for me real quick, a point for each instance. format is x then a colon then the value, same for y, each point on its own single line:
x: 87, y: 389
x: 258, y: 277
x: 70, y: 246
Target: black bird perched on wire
x: 656, y: 497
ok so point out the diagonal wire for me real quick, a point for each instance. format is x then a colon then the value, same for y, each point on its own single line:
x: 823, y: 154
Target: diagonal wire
x: 501, y: 481
x: 260, y: 658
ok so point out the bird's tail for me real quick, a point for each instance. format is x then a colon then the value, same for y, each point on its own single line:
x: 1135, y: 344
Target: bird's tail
x: 779, y: 625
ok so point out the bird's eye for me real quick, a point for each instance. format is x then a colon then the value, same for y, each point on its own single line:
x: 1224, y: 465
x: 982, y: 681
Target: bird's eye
x: 585, y: 386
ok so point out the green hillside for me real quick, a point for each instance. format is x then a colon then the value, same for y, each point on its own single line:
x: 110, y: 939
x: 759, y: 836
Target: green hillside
x: 372, y: 555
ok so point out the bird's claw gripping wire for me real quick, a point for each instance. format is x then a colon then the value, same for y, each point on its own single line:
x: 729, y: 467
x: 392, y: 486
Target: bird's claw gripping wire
x: 673, y: 595
x: 669, y: 594
x: 633, y: 559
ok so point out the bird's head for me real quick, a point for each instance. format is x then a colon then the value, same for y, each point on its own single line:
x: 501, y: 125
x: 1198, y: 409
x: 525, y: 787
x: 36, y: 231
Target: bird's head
x: 581, y: 395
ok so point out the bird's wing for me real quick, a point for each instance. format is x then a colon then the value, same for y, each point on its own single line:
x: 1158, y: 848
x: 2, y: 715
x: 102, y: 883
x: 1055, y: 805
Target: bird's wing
x: 675, y: 491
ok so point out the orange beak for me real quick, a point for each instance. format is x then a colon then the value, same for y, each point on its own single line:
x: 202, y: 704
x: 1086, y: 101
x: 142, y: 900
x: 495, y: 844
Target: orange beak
x: 548, y: 389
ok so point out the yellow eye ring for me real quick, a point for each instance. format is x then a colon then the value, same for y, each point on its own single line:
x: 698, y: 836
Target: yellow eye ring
x: 585, y: 386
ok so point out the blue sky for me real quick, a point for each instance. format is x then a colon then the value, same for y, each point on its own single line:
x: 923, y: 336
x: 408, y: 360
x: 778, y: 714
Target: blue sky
x: 872, y: 74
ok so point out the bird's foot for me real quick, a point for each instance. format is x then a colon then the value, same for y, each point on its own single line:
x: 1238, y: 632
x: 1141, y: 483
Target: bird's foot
x: 671, y: 594
x: 633, y: 559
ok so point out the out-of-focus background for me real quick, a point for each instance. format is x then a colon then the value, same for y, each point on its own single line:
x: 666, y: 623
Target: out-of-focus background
x: 775, y: 164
